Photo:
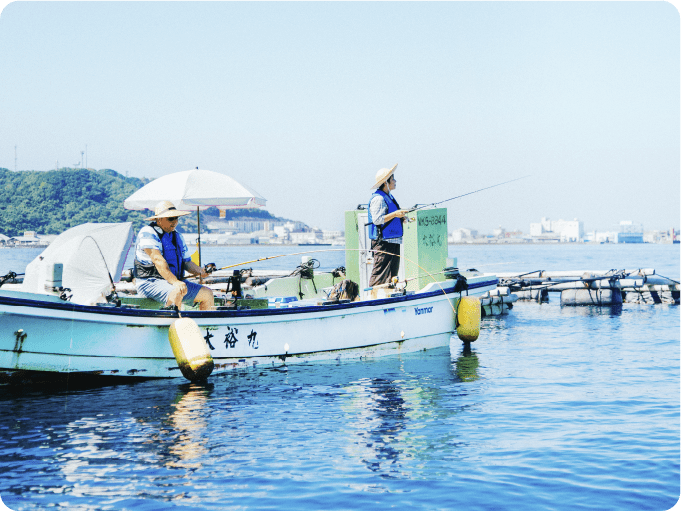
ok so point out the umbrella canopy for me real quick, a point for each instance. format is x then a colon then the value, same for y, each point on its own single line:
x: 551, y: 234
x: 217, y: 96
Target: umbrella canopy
x: 192, y: 189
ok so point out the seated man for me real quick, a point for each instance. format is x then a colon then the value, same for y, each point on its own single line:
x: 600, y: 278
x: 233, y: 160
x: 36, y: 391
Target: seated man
x: 161, y: 259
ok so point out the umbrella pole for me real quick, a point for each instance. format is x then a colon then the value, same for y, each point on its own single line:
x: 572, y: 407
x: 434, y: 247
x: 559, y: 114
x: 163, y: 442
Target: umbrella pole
x: 198, y: 226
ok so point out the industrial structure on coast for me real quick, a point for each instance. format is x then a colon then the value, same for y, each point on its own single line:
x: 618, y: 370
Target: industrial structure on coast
x: 252, y: 231
x: 567, y: 231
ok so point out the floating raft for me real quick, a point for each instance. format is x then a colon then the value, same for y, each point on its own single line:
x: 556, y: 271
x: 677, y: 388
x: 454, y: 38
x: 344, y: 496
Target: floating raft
x: 497, y: 301
x: 609, y: 287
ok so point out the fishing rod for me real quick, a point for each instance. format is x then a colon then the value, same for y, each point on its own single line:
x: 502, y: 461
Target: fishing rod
x: 395, y: 281
x: 280, y: 255
x: 415, y: 208
x: 342, y: 250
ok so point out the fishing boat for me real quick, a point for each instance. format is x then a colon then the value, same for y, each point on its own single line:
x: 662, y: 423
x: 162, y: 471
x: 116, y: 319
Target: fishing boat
x: 66, y: 318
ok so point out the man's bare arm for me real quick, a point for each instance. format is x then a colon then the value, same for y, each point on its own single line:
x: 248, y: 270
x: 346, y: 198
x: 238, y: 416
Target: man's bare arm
x: 162, y: 265
x: 195, y: 269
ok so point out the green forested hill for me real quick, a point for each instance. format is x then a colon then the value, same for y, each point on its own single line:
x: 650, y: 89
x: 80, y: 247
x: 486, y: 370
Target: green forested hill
x: 53, y: 201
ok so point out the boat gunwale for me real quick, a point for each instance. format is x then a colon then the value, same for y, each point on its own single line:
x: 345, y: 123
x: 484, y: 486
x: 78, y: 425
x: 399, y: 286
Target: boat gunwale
x: 227, y: 313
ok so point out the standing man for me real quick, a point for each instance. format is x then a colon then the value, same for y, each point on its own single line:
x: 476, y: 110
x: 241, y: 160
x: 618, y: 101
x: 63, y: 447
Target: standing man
x: 161, y: 259
x: 385, y: 228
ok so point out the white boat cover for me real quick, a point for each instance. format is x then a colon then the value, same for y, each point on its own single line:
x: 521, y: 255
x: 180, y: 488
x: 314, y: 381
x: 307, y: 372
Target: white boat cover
x: 90, y: 253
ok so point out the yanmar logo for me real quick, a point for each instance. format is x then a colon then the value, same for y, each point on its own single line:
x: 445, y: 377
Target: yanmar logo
x: 423, y: 310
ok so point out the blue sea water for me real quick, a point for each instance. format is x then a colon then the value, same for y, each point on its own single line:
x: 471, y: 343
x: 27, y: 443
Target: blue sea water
x: 554, y: 408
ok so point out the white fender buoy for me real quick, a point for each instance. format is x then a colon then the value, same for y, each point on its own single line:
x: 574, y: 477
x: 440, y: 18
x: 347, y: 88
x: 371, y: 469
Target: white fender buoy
x: 468, y: 316
x: 190, y: 349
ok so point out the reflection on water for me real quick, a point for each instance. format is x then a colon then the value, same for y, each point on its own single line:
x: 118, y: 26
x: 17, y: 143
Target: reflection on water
x: 379, y: 417
x: 188, y: 420
x: 466, y: 364
x: 546, y: 395
x: 398, y: 422
x: 612, y: 311
x: 389, y: 416
x: 96, y: 447
x: 99, y: 454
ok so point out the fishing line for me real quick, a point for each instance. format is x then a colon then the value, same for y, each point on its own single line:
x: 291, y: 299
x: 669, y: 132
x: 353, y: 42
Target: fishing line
x: 500, y: 264
x: 113, y: 295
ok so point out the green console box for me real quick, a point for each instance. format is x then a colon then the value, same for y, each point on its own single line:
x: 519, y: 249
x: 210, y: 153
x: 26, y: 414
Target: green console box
x: 423, y: 254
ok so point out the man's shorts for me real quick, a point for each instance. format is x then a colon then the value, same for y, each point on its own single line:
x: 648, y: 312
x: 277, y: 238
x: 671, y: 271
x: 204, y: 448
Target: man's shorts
x: 159, y: 289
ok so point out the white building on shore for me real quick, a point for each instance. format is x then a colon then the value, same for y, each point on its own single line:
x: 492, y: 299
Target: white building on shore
x: 630, y: 232
x: 561, y: 230
x: 463, y: 235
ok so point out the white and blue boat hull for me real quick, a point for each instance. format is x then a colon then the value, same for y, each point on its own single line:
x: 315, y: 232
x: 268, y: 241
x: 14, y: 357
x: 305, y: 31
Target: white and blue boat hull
x: 45, y: 334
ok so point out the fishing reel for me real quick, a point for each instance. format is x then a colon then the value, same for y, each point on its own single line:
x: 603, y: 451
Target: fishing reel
x: 399, y: 287
x: 113, y: 299
x: 210, y: 268
x: 127, y: 275
x: 339, y: 273
x: 65, y: 293
x: 9, y: 277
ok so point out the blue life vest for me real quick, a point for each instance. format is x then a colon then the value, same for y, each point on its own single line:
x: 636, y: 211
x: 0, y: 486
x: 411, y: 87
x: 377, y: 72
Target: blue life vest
x: 171, y: 252
x: 392, y: 229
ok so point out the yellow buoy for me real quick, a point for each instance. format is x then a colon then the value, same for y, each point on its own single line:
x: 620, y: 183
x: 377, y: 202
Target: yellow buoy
x: 190, y: 349
x: 468, y: 315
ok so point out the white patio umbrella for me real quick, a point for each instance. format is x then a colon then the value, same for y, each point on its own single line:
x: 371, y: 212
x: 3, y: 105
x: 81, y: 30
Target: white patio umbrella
x: 193, y: 190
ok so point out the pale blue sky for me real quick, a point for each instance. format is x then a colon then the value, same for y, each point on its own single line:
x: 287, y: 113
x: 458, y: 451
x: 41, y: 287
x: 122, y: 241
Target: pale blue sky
x: 305, y: 101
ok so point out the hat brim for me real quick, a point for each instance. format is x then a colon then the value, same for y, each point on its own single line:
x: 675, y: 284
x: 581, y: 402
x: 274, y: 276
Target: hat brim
x: 171, y: 213
x: 378, y: 184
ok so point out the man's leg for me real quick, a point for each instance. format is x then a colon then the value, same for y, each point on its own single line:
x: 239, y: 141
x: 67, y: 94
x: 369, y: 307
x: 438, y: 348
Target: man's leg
x: 199, y: 294
x: 175, y: 297
x: 394, y: 248
x: 205, y: 298
x: 380, y: 273
x: 159, y: 290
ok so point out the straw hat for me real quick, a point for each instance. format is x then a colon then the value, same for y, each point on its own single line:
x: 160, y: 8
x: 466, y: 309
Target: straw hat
x: 166, y: 209
x: 383, y: 175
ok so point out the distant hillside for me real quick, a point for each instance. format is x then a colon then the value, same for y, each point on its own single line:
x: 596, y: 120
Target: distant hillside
x: 53, y: 201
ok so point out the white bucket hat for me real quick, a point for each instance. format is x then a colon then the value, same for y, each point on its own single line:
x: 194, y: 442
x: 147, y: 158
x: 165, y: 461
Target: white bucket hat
x: 166, y: 209
x: 382, y: 176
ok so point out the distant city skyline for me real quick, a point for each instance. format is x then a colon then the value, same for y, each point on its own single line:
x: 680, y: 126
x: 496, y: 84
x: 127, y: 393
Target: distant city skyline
x: 305, y: 101
x: 525, y: 230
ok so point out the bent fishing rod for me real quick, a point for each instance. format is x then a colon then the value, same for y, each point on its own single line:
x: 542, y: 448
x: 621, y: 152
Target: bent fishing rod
x: 417, y: 208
